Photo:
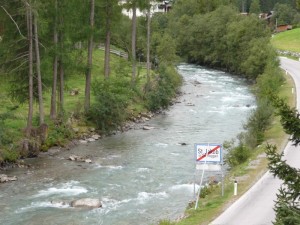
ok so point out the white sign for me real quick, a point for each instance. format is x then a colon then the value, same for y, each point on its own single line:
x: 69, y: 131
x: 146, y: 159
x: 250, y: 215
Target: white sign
x: 208, y: 153
x: 210, y: 167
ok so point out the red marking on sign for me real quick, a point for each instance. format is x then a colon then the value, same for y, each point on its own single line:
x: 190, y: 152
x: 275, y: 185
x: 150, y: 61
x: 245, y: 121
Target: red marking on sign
x: 211, y: 151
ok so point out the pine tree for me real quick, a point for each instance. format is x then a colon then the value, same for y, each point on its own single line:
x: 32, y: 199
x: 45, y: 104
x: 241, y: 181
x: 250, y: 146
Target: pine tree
x: 287, y: 206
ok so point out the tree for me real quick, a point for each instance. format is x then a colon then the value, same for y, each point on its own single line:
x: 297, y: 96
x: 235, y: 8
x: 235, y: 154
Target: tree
x: 38, y: 67
x: 133, y: 5
x: 55, y: 62
x: 255, y: 7
x: 148, y: 43
x: 284, y: 14
x: 30, y: 66
x: 90, y: 59
x: 111, y: 13
x: 287, y: 206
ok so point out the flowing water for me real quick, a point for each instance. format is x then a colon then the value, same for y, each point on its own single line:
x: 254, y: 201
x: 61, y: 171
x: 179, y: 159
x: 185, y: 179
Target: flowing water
x: 141, y: 176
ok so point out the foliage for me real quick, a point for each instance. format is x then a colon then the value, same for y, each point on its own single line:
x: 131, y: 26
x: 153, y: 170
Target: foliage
x: 164, y: 89
x: 284, y: 14
x: 255, y: 7
x: 5, y: 137
x: 166, y: 222
x: 270, y: 81
x: 112, y: 97
x: 236, y: 154
x: 287, y: 206
x: 290, y: 118
x: 258, y: 122
x: 223, y: 38
x: 59, y: 134
x: 8, y: 155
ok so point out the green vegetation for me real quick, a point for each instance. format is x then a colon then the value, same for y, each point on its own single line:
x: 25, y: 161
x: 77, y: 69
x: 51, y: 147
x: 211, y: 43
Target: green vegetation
x: 52, y: 78
x: 56, y: 83
x: 288, y: 40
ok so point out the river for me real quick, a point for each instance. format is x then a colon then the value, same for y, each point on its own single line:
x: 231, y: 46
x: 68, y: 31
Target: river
x: 141, y: 176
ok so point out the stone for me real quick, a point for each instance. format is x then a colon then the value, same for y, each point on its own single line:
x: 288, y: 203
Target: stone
x: 88, y: 161
x: 96, y: 136
x: 86, y: 203
x: 147, y: 128
x: 90, y: 140
x: 83, y: 142
x: 4, y: 178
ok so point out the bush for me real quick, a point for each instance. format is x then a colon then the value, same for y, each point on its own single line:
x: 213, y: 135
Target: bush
x: 5, y: 136
x: 9, y: 155
x: 58, y: 135
x: 236, y: 155
x: 163, y: 91
x: 112, y: 98
x: 258, y: 122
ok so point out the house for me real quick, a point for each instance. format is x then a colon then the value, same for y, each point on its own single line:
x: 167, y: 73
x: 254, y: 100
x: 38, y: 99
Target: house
x: 161, y: 6
x: 283, y: 27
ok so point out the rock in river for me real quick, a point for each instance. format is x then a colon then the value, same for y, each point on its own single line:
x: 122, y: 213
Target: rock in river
x: 86, y: 203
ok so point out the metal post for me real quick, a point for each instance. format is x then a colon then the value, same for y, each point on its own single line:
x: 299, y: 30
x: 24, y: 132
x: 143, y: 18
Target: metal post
x: 199, y: 192
x: 222, y: 179
x: 198, y: 195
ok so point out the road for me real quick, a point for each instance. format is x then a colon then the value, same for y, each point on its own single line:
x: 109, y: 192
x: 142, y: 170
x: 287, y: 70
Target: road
x: 255, y: 207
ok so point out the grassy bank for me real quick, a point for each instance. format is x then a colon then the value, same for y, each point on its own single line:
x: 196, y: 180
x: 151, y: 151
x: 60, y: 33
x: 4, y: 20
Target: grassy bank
x: 13, y: 115
x: 288, y: 40
x: 251, y: 171
x: 246, y: 174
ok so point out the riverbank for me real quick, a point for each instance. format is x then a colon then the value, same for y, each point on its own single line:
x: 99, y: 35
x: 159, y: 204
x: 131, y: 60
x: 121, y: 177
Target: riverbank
x: 141, y: 176
x: 246, y: 174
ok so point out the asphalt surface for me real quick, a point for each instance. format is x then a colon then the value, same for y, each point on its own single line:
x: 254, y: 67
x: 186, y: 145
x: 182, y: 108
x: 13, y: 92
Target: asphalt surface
x: 255, y: 207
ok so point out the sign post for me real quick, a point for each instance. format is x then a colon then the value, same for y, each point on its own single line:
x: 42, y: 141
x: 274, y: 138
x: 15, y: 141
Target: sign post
x: 208, y: 157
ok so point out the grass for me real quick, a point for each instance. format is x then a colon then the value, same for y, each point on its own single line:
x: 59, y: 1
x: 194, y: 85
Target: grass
x: 288, y: 40
x: 214, y: 204
x: 73, y: 103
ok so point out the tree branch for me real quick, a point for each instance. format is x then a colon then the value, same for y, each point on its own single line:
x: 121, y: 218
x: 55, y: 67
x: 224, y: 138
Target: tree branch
x: 13, y: 21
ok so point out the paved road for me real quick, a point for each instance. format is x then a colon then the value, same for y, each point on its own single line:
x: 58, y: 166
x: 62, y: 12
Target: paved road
x: 256, y: 206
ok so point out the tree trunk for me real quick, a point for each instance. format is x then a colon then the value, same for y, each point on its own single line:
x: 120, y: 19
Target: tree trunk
x: 61, y: 87
x: 61, y: 64
x: 107, y: 42
x: 88, y: 75
x: 133, y: 45
x: 30, y: 72
x: 55, y: 68
x: 148, y: 46
x: 38, y: 70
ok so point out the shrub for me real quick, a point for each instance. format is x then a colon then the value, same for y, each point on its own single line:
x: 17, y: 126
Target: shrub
x: 163, y: 91
x: 258, y: 122
x: 9, y: 155
x: 112, y: 97
x: 58, y: 135
x: 236, y: 155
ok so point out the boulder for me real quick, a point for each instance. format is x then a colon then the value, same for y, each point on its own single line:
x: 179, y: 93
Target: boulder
x: 86, y: 203
x: 90, y: 139
x: 79, y: 159
x: 147, y: 128
x: 96, y: 136
x: 4, y: 178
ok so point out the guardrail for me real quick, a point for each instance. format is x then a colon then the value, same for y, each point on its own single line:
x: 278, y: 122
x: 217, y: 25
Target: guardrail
x: 116, y: 52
